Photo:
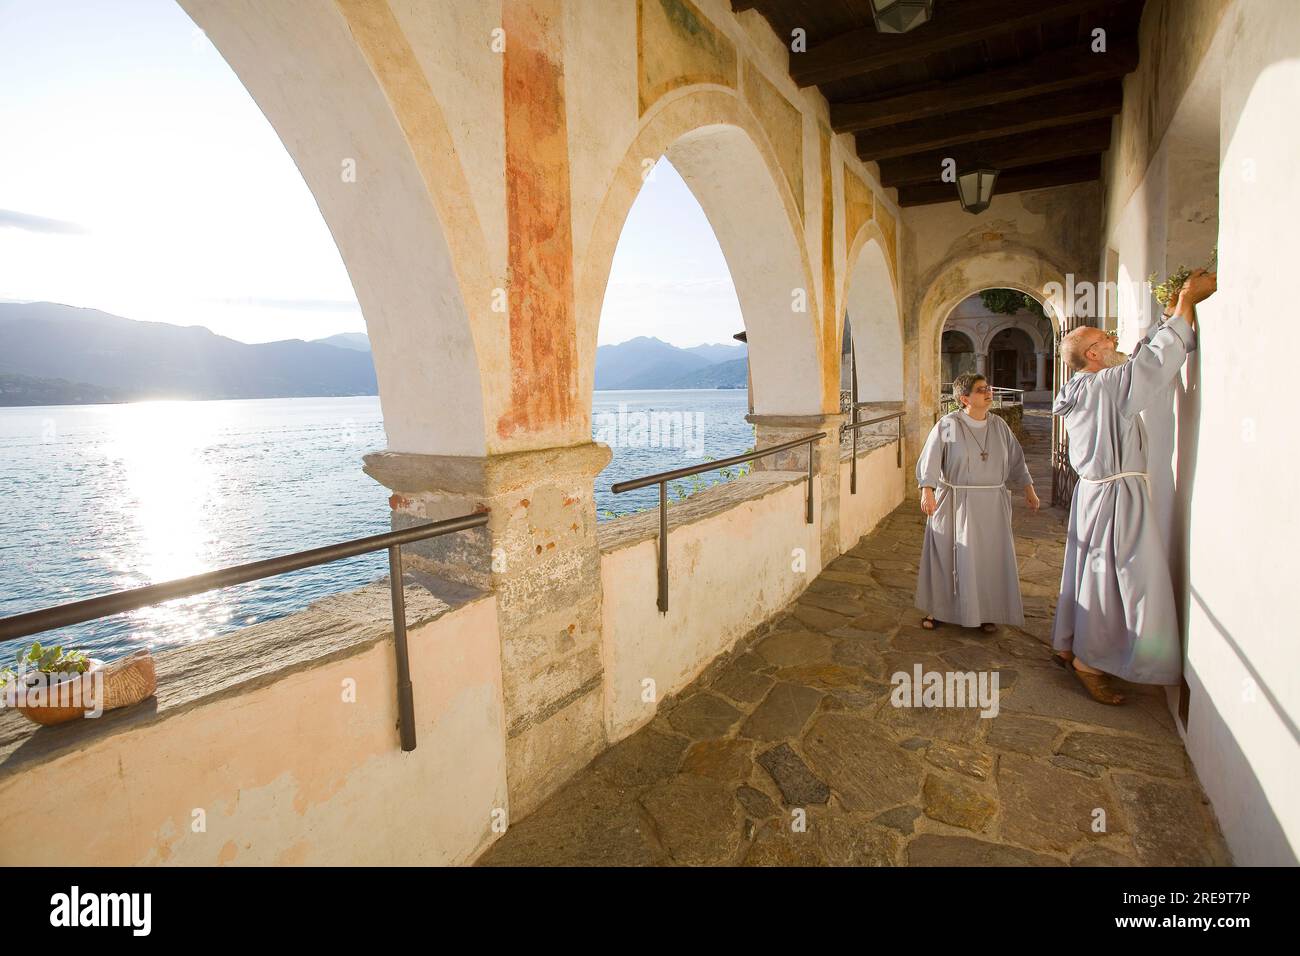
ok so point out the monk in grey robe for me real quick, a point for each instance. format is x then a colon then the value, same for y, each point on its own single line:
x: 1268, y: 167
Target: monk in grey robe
x: 968, y: 572
x: 1116, y: 613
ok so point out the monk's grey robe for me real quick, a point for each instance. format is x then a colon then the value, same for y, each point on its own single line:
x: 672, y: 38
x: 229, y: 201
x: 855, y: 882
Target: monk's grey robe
x: 1116, y: 611
x: 970, y: 533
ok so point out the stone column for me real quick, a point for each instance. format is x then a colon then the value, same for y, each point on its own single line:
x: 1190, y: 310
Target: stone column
x: 981, y: 363
x: 775, y: 429
x: 1040, y: 376
x: 538, y: 553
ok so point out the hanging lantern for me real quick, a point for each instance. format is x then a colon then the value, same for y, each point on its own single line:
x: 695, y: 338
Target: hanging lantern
x: 899, y: 16
x: 975, y: 189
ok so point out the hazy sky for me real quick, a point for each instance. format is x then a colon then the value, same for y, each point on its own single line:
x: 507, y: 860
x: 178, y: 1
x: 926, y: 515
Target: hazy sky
x: 137, y: 176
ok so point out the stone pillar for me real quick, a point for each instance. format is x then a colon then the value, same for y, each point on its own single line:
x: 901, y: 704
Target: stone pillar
x: 1040, y: 375
x: 981, y: 363
x: 775, y: 429
x: 538, y: 553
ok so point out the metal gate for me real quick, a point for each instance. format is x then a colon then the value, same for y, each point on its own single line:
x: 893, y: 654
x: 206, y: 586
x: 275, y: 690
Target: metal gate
x: 1064, y: 477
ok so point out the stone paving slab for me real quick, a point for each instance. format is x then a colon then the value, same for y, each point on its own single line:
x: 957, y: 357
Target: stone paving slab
x: 793, y: 753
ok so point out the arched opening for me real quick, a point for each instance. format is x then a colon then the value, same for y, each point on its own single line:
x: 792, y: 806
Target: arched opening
x: 172, y: 488
x: 872, y: 311
x: 1005, y: 334
x: 671, y: 382
x: 714, y: 145
x: 1016, y: 268
x: 323, y: 75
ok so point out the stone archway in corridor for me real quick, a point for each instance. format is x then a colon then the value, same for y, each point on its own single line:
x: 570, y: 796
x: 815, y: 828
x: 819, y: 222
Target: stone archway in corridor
x: 718, y: 149
x: 1025, y: 270
x: 875, y: 321
x: 327, y: 76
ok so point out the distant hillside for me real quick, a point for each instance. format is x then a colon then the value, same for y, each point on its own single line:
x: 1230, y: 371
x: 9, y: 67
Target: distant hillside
x: 648, y: 363
x: 25, y: 390
x: 718, y: 352
x: 348, y: 340
x: 733, y: 374
x: 42, y: 340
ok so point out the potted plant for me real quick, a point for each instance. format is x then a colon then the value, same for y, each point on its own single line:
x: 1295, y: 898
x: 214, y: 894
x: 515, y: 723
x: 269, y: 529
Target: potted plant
x: 36, y: 688
x: 1166, y: 292
x: 43, y: 689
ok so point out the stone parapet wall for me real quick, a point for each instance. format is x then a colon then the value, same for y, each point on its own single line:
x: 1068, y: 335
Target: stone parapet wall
x: 278, y: 745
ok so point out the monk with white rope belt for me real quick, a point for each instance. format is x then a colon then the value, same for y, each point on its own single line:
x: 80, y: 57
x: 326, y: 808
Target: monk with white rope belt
x: 968, y: 574
x: 1116, y: 614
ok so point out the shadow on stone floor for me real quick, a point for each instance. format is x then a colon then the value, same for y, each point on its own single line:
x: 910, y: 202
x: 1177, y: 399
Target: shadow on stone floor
x: 791, y: 753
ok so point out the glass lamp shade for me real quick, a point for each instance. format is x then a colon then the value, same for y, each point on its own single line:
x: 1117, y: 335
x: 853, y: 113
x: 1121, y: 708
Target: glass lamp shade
x: 899, y: 16
x: 975, y: 189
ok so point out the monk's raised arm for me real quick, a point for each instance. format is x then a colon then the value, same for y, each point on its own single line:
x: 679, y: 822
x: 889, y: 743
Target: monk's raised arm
x: 1144, y: 378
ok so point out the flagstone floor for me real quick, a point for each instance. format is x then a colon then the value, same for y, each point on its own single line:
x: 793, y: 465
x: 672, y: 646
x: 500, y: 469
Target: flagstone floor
x: 791, y: 753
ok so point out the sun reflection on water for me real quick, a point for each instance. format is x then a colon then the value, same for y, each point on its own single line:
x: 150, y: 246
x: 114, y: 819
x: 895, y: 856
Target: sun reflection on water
x: 167, y: 507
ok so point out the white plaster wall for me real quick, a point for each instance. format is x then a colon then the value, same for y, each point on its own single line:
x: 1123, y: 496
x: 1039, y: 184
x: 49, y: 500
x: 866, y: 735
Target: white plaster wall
x: 1243, y: 658
x: 881, y: 488
x: 727, y: 574
x: 1223, y: 445
x: 290, y: 773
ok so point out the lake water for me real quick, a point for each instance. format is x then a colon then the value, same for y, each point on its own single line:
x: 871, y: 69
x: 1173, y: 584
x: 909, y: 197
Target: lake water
x: 100, y: 498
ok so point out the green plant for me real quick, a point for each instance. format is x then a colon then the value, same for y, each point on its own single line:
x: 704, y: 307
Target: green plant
x: 1010, y: 301
x: 1166, y: 292
x: 50, y: 660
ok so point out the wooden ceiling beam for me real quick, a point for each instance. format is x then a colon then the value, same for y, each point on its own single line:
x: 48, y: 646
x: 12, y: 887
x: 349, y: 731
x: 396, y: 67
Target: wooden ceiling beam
x: 1007, y: 152
x: 954, y: 24
x: 1020, y: 116
x: 1048, y: 73
x: 1081, y: 170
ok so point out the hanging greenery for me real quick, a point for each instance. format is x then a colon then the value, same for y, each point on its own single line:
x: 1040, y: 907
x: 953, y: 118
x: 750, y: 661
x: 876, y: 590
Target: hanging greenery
x: 1010, y: 301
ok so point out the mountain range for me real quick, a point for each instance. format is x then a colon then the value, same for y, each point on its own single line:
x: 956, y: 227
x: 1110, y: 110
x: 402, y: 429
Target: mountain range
x: 54, y: 354
x: 645, y: 362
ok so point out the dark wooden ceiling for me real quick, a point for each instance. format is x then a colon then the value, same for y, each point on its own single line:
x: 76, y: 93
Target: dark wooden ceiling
x: 1010, y: 83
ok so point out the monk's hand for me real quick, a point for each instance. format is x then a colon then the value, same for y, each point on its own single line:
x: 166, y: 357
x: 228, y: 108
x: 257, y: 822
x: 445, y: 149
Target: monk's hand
x: 1198, y: 287
x: 928, y: 504
x: 1031, y: 496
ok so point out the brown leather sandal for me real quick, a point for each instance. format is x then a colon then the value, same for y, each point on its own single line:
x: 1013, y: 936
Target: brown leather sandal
x: 1098, y: 686
x: 929, y: 623
x: 988, y: 628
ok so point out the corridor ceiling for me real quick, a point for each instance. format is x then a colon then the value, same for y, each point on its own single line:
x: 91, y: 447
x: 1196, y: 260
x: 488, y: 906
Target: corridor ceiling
x: 1013, y: 84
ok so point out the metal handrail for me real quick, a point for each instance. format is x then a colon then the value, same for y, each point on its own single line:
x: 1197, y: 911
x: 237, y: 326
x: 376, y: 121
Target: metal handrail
x: 854, y: 426
x: 662, y: 478
x: 78, y: 612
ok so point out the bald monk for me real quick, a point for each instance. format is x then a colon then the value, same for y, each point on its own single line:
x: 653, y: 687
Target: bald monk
x: 1117, y: 614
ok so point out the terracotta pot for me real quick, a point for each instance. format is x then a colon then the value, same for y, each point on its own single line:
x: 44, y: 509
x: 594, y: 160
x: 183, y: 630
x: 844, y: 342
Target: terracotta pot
x: 126, y: 681
x: 69, y: 687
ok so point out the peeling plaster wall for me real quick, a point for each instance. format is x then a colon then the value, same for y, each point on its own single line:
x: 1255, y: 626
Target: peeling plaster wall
x: 289, y: 773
